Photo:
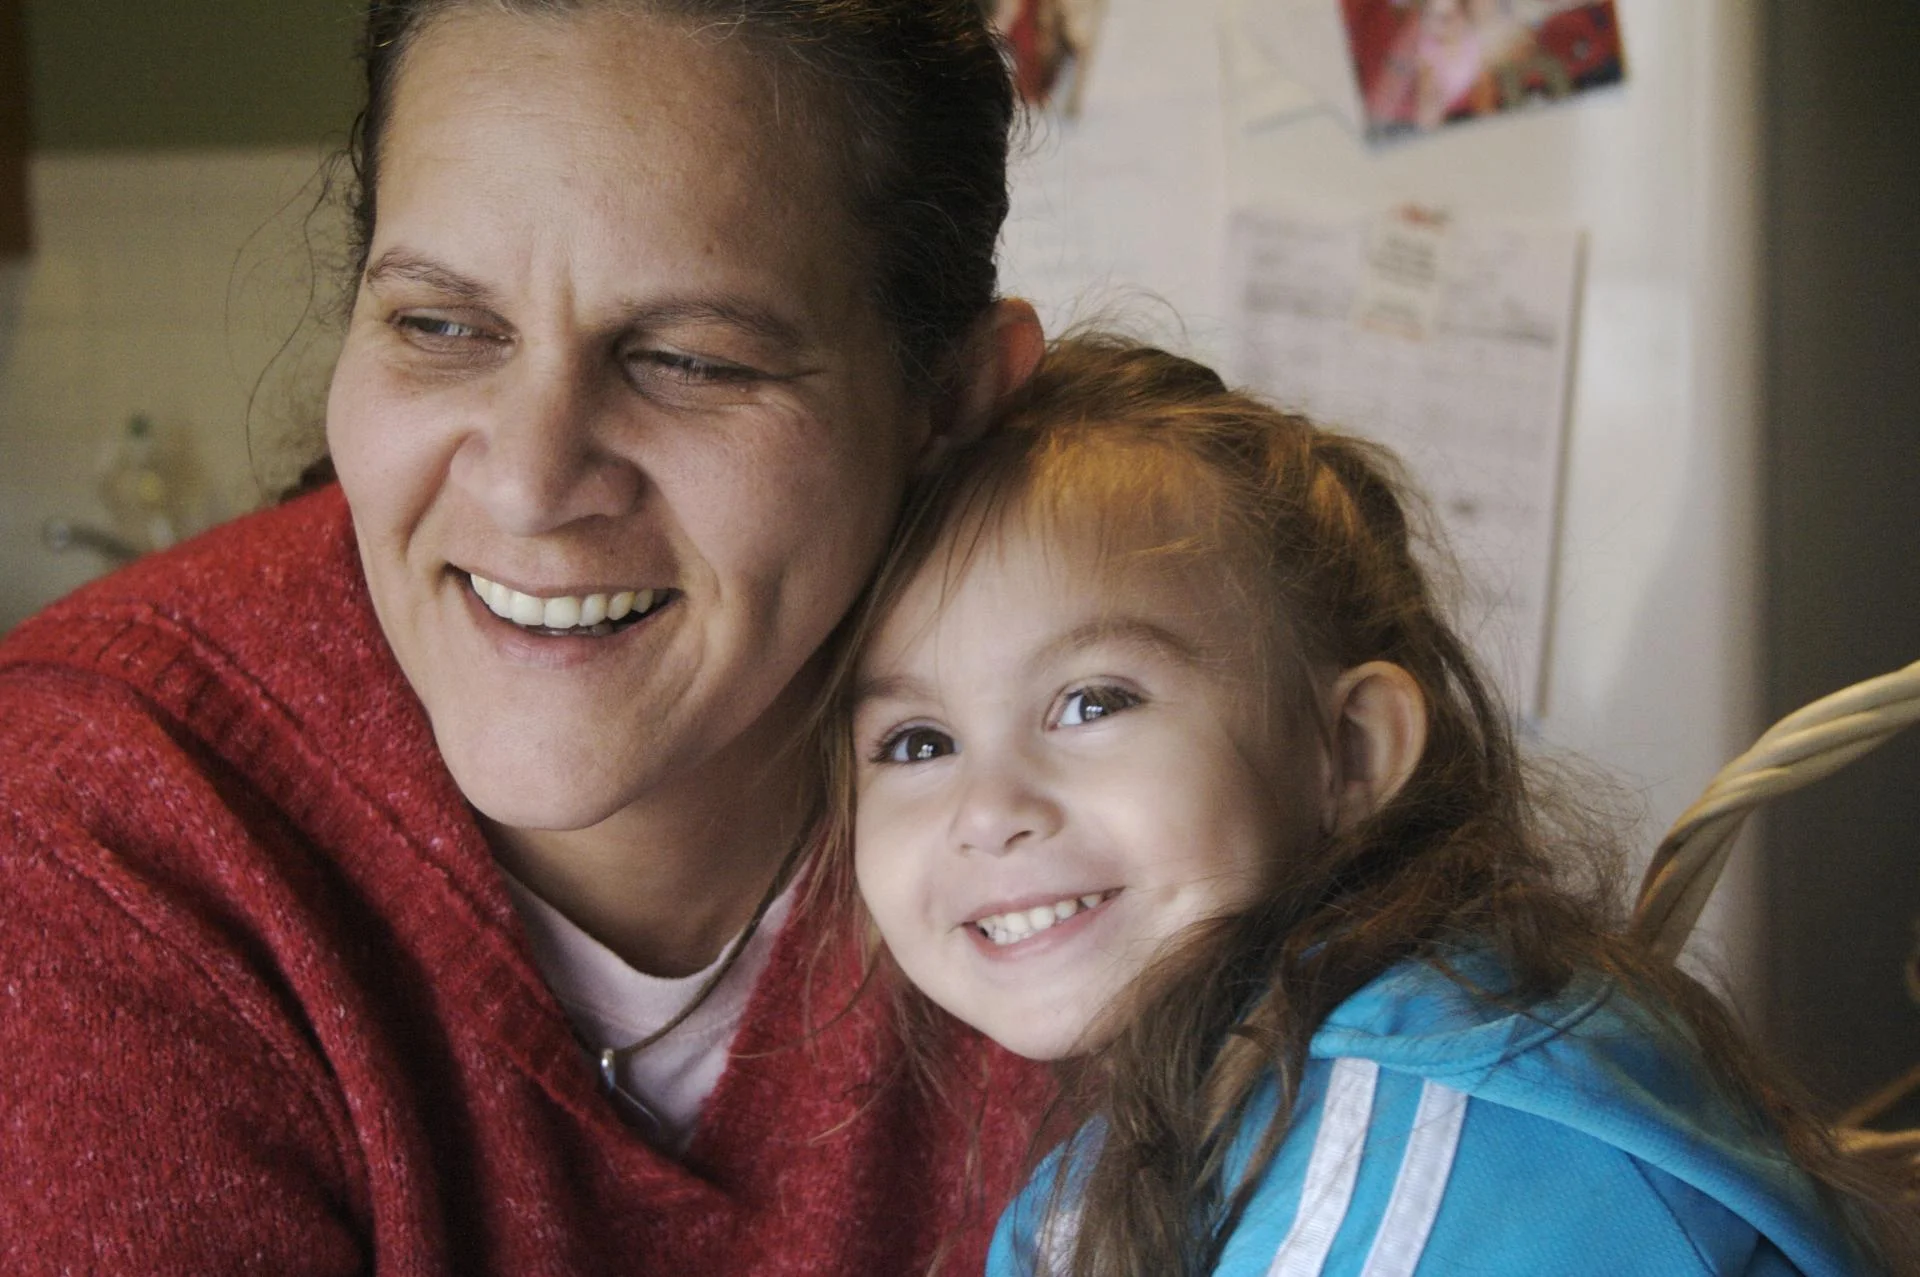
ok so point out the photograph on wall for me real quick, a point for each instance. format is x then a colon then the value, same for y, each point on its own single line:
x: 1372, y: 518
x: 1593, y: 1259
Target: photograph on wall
x: 1426, y: 64
x: 1051, y: 43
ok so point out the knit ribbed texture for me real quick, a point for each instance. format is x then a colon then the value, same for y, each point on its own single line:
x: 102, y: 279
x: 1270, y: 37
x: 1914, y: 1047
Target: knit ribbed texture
x: 265, y: 1005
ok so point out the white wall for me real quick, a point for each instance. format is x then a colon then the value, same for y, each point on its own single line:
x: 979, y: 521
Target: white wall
x: 163, y: 284
x: 1653, y: 661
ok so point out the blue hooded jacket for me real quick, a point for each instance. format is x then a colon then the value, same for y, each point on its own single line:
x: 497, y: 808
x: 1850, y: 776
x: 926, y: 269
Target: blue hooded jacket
x: 1437, y: 1133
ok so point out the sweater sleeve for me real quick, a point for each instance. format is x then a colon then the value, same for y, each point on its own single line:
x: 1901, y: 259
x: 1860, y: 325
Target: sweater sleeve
x: 156, y: 1121
x: 148, y: 1128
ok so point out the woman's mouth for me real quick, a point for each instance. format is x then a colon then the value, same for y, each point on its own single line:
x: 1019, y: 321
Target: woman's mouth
x: 1021, y: 924
x: 581, y: 615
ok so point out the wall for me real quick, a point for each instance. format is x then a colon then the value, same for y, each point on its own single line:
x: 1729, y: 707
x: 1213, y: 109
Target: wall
x: 163, y: 283
x: 121, y: 74
x: 1843, y: 489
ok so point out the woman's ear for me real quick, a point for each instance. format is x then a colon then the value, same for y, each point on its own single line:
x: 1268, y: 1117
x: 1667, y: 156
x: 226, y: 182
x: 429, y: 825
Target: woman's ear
x: 1000, y: 354
x: 1379, y: 731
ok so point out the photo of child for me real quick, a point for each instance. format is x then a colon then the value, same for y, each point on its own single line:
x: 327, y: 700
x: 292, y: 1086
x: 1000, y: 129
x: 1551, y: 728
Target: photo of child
x: 1423, y: 64
x: 1050, y: 41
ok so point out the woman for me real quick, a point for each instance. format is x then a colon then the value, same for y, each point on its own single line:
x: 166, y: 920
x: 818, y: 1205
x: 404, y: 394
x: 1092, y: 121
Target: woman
x: 303, y: 826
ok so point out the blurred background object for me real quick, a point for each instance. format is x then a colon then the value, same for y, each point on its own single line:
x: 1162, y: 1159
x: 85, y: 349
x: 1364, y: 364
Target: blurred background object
x: 184, y: 268
x: 16, y: 234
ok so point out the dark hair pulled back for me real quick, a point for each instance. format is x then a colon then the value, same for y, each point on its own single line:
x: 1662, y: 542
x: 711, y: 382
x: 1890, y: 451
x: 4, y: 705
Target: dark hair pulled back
x: 922, y: 104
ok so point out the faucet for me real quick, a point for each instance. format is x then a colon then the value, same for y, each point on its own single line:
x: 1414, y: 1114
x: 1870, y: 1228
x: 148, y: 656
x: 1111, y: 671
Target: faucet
x: 64, y: 534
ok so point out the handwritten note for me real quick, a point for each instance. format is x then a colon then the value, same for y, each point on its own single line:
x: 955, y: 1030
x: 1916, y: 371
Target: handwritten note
x: 1450, y: 341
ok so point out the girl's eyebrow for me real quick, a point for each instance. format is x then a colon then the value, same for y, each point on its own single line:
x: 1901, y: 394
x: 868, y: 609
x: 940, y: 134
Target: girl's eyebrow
x: 1123, y: 631
x: 889, y: 687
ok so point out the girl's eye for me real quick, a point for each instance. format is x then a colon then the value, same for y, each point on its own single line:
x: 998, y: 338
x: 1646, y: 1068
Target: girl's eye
x: 915, y: 745
x: 1085, y: 704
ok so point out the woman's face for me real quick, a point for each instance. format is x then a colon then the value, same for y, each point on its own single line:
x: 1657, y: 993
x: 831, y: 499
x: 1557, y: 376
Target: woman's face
x: 613, y: 349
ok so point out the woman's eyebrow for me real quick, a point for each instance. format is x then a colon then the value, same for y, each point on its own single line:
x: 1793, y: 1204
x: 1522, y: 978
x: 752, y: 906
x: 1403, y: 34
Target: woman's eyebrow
x: 738, y: 313
x: 399, y: 264
x: 756, y: 321
x: 732, y: 312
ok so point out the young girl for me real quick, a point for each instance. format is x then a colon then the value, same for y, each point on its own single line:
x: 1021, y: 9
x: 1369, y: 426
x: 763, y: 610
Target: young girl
x: 1161, y: 762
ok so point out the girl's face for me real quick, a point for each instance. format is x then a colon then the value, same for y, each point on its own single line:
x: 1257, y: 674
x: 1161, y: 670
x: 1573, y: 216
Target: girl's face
x: 1064, y: 760
x: 613, y: 352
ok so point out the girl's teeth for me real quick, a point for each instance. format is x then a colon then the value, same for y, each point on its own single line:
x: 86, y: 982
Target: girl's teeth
x: 1006, y: 928
x: 564, y: 613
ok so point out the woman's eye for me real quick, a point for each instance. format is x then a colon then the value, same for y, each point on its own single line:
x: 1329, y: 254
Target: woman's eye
x: 672, y: 368
x: 439, y: 329
x: 915, y: 745
x: 1085, y: 704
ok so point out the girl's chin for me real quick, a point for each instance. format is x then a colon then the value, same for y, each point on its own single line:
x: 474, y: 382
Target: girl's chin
x: 1059, y: 1041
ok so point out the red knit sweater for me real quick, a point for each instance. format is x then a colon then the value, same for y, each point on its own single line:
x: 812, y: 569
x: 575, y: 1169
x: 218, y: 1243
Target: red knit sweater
x: 265, y: 1005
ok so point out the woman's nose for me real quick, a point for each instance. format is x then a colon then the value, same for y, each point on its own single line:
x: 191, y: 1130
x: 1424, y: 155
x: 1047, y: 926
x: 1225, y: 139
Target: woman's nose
x: 536, y: 460
x: 1003, y: 806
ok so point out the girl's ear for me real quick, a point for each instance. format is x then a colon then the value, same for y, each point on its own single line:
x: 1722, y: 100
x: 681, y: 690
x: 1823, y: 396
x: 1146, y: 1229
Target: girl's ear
x: 1000, y: 354
x: 1379, y: 720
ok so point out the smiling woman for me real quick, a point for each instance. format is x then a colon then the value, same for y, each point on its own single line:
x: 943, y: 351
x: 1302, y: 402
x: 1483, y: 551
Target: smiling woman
x: 572, y: 372
x: 401, y: 879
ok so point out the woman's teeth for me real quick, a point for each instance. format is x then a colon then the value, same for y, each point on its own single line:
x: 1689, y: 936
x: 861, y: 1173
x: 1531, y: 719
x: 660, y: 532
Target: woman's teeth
x: 1008, y: 928
x: 566, y: 612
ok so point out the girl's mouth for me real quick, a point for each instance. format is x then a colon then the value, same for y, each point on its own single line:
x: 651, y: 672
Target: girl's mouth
x: 570, y: 615
x: 1022, y: 924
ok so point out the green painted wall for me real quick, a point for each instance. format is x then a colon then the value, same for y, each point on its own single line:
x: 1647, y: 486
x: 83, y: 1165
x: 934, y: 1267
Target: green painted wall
x: 154, y: 74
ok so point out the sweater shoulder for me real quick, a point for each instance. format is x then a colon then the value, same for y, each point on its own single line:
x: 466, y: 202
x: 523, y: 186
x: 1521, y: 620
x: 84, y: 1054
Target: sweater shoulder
x: 247, y: 658
x: 220, y: 734
x: 214, y: 581
x: 267, y: 612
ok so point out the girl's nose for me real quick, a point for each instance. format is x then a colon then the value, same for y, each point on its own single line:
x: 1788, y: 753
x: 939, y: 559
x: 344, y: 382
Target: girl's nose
x: 1004, y: 806
x: 535, y: 458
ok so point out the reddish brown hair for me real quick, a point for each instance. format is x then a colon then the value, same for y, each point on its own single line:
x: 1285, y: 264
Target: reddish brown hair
x: 1471, y: 852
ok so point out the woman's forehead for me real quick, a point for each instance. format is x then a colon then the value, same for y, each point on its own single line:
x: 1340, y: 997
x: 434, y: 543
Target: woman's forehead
x: 612, y: 73
x: 623, y: 159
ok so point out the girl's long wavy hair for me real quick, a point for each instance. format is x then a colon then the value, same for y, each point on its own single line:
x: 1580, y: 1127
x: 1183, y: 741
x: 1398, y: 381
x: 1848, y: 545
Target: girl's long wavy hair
x: 1473, y: 851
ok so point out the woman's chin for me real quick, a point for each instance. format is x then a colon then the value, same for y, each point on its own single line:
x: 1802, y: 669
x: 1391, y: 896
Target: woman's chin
x: 552, y: 793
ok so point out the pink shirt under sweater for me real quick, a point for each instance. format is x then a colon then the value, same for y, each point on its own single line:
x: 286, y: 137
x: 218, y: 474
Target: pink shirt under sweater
x: 612, y: 1004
